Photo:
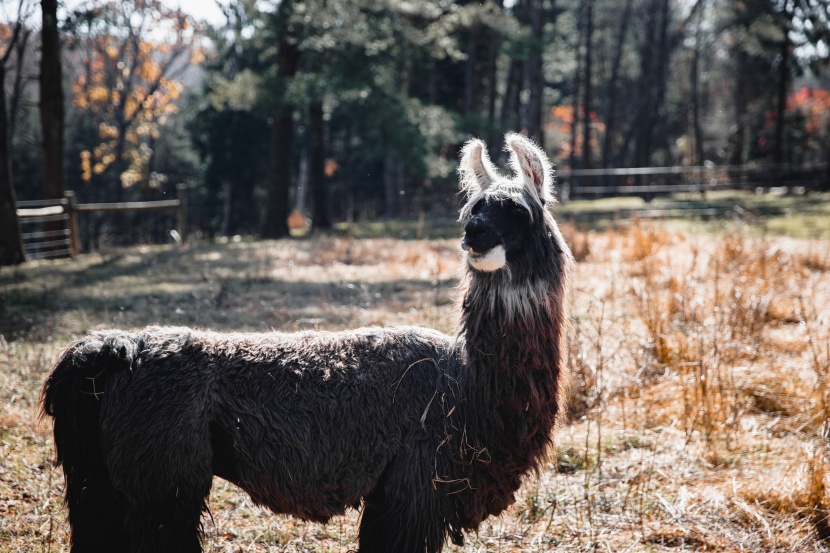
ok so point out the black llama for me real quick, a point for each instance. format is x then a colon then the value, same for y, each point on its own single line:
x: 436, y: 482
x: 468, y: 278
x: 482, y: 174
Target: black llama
x: 431, y: 433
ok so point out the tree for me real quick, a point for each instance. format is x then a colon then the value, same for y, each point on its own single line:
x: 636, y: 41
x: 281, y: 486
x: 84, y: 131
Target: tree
x: 230, y: 128
x: 11, y: 245
x: 131, y: 56
x: 588, y: 86
x: 613, y: 83
x: 282, y: 128
x: 51, y: 102
x: 383, y: 94
x: 316, y: 166
x: 535, y: 71
x: 803, y: 23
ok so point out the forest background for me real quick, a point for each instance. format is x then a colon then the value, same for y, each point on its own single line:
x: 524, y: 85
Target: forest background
x: 355, y: 109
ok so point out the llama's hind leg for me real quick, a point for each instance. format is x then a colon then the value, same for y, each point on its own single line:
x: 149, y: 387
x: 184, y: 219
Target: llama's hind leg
x: 166, y: 491
x: 96, y: 517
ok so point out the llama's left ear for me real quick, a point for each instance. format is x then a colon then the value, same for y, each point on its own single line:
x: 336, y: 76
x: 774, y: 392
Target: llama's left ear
x: 476, y: 172
x: 531, y: 165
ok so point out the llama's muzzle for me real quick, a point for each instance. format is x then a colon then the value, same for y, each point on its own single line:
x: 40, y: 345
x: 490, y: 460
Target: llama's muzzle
x: 491, y: 260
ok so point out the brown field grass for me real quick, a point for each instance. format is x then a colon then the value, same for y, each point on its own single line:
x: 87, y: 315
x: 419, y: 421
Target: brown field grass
x: 700, y: 381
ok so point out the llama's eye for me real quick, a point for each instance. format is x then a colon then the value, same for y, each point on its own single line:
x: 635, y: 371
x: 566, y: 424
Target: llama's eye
x: 477, y: 207
x: 516, y: 209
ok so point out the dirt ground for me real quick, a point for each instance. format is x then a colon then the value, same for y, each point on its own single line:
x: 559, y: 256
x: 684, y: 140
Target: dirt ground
x: 700, y: 380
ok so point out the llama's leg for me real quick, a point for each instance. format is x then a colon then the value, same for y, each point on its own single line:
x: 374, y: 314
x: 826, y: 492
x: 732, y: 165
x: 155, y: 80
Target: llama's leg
x: 402, y: 514
x: 165, y: 491
x: 161, y: 464
x: 386, y: 526
x: 96, y: 515
x: 171, y: 526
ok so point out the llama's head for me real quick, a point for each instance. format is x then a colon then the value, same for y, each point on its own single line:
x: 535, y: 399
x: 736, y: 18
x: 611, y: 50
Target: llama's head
x: 507, y: 226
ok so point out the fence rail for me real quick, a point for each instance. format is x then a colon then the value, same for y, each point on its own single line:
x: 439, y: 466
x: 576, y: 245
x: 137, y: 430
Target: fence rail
x: 681, y: 169
x: 655, y: 181
x: 65, y: 242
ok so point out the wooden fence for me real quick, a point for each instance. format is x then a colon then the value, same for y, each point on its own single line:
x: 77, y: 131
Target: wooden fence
x: 655, y: 181
x: 49, y: 228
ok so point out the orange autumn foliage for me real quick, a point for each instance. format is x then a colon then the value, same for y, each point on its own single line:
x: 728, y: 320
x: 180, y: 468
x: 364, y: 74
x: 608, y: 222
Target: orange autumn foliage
x: 128, y: 88
x: 561, y: 123
x: 814, y: 104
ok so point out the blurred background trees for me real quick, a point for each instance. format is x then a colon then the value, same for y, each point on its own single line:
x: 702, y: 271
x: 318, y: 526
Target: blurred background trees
x: 355, y: 109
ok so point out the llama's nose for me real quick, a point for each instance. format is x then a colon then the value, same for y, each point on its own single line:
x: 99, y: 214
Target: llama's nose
x: 478, y: 237
x: 474, y: 228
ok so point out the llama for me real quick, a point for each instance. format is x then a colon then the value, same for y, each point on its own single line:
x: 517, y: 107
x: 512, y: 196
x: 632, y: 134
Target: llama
x: 430, y: 433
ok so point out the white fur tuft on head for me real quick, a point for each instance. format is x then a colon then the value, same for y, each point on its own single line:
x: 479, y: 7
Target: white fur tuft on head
x: 531, y: 166
x: 476, y: 171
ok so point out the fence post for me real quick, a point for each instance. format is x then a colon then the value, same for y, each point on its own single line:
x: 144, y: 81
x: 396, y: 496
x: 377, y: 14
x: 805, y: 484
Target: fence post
x: 74, y: 238
x: 181, y: 192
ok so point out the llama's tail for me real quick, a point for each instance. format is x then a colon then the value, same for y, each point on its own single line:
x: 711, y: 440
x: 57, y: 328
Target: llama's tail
x: 72, y: 397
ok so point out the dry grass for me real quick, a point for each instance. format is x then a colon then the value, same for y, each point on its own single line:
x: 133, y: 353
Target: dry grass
x: 700, y: 395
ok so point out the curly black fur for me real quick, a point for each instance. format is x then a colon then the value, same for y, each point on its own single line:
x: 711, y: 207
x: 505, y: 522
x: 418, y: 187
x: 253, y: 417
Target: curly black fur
x: 430, y: 433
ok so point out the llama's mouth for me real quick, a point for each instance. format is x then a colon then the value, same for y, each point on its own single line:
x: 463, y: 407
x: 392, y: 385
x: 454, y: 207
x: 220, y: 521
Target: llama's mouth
x: 487, y: 261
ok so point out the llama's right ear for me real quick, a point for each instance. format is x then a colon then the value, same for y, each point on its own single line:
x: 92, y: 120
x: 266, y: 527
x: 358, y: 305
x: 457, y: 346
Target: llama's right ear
x: 531, y: 165
x: 476, y: 172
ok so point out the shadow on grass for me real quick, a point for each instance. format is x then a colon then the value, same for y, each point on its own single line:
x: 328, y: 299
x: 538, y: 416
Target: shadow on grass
x: 171, y: 288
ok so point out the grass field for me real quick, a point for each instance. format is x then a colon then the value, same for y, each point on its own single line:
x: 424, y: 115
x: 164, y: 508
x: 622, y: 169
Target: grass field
x: 700, y: 380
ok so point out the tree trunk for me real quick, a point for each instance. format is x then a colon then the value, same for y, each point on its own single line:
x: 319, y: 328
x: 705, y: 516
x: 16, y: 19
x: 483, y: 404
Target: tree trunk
x: 658, y: 138
x: 11, y: 245
x: 695, y: 78
x: 737, y: 140
x: 512, y: 95
x: 570, y: 190
x: 51, y: 102
x: 535, y: 74
x: 316, y: 161
x: 639, y: 130
x: 611, y: 105
x: 577, y: 86
x: 783, y: 87
x: 282, y: 137
x: 434, y: 77
x: 19, y: 83
x: 390, y: 186
x: 469, y: 71
x: 492, y: 53
x: 587, y: 88
x: 511, y: 106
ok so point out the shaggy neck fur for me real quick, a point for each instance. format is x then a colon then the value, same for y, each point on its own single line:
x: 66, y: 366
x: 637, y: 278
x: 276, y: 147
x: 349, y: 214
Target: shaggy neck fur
x: 511, y: 325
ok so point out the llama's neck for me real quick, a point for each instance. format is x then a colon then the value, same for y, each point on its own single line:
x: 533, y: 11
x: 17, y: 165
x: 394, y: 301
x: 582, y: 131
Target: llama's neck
x: 512, y: 346
x: 512, y: 352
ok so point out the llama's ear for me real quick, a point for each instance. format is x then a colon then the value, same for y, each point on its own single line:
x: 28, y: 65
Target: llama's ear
x: 476, y: 172
x: 531, y: 165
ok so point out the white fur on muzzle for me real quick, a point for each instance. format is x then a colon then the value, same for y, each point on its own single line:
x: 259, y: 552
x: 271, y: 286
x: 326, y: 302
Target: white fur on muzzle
x: 491, y: 261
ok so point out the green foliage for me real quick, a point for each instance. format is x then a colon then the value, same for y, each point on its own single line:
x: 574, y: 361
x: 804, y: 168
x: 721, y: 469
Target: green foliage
x: 403, y: 83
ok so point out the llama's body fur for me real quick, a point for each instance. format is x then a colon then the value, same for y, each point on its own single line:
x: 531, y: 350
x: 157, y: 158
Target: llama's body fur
x: 339, y: 408
x: 431, y: 433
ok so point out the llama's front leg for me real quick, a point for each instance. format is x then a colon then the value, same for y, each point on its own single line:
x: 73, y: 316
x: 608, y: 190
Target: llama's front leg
x: 402, y: 517
x: 386, y: 528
